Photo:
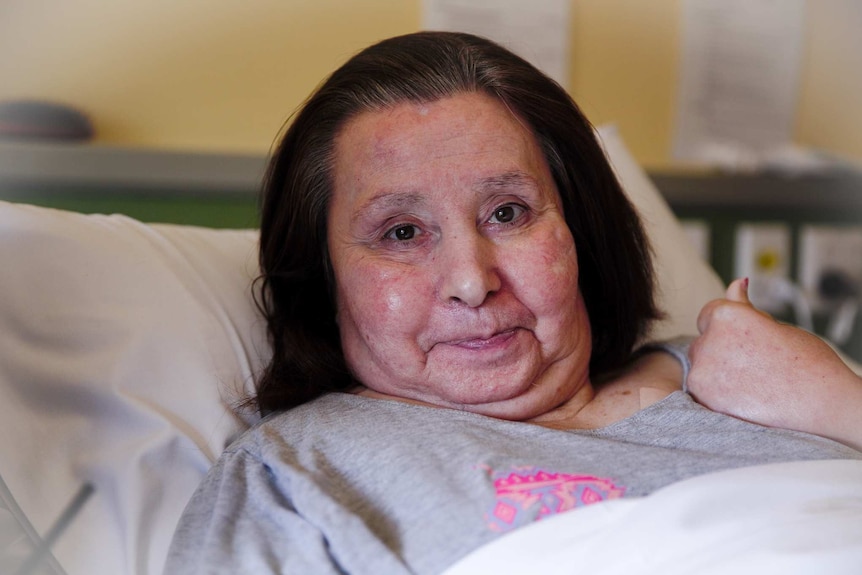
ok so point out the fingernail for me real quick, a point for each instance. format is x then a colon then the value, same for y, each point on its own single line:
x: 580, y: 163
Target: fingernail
x: 745, y: 284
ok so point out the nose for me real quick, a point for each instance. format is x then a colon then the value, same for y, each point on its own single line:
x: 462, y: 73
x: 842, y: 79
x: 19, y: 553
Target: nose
x: 468, y: 270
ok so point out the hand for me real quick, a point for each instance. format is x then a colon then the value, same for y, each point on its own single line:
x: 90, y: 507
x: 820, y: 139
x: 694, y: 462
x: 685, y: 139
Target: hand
x: 750, y: 366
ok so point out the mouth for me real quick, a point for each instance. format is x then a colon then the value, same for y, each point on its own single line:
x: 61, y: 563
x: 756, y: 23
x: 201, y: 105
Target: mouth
x: 482, y: 343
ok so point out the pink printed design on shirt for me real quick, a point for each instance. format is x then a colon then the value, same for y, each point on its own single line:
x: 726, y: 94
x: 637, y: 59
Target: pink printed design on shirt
x: 525, y: 495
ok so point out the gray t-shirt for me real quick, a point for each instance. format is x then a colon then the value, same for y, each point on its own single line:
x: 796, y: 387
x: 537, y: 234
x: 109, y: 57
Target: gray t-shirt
x: 348, y: 484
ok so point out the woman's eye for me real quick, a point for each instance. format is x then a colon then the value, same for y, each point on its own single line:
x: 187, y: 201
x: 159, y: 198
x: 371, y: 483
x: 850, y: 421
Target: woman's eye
x: 506, y: 214
x: 401, y: 233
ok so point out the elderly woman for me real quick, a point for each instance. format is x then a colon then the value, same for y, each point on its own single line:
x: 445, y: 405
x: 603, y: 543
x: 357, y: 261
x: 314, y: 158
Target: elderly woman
x: 454, y: 285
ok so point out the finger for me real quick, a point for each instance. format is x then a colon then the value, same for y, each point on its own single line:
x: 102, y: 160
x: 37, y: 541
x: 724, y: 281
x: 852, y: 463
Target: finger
x: 737, y: 291
x: 694, y: 349
x: 705, y: 315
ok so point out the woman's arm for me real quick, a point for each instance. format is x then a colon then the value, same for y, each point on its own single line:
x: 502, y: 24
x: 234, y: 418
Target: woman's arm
x: 750, y: 366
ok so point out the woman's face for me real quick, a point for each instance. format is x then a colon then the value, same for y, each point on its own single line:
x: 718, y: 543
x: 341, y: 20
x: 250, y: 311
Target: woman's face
x: 457, y: 277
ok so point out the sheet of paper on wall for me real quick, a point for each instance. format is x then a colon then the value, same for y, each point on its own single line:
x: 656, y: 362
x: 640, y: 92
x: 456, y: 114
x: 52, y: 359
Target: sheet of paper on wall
x: 537, y: 30
x: 739, y: 80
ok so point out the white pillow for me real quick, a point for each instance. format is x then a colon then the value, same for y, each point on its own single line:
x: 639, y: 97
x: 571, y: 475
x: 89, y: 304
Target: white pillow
x: 124, y: 346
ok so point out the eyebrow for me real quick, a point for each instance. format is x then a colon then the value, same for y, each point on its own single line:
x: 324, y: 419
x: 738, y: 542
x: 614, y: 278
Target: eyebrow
x: 507, y: 180
x: 402, y: 200
x: 386, y: 201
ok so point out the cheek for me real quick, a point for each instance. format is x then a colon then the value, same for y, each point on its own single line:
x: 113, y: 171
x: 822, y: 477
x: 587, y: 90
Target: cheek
x: 549, y: 274
x: 393, y: 299
x: 563, y: 261
x: 383, y: 301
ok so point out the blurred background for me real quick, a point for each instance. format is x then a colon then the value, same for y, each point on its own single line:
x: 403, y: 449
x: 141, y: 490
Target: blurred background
x: 178, y: 103
x: 224, y: 75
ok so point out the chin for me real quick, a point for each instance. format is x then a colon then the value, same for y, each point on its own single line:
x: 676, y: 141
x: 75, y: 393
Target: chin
x: 518, y: 408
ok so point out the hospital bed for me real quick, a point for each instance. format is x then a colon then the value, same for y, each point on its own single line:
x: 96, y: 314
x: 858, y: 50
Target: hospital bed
x: 126, y: 349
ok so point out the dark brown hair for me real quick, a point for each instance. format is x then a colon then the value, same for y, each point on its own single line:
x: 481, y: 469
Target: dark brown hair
x: 296, y: 291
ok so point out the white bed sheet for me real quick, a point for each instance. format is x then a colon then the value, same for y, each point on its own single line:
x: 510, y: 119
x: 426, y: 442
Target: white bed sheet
x: 789, y: 518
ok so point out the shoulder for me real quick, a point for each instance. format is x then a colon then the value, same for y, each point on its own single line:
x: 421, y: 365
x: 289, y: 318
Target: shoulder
x: 337, y: 419
x: 654, y: 373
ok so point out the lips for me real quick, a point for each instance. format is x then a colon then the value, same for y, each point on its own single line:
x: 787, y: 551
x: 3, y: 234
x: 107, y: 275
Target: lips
x: 480, y: 342
x: 480, y: 329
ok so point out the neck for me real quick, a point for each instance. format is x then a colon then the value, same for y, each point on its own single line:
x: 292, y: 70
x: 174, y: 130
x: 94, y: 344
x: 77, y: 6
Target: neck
x: 642, y: 382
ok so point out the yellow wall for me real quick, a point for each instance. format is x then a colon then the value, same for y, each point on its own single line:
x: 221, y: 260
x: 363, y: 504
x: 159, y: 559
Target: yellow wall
x: 624, y: 70
x: 830, y: 99
x: 224, y: 75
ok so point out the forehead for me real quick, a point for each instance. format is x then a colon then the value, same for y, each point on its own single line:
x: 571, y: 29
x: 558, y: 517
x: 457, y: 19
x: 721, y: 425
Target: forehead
x: 464, y: 137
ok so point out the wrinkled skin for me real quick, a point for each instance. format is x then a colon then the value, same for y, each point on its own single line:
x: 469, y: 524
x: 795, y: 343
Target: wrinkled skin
x: 748, y: 365
x: 457, y: 275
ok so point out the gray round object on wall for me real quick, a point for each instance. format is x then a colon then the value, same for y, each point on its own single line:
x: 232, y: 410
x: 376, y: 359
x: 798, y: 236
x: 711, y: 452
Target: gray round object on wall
x: 35, y: 120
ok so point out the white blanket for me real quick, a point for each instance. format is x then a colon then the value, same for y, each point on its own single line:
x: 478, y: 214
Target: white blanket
x: 788, y: 518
